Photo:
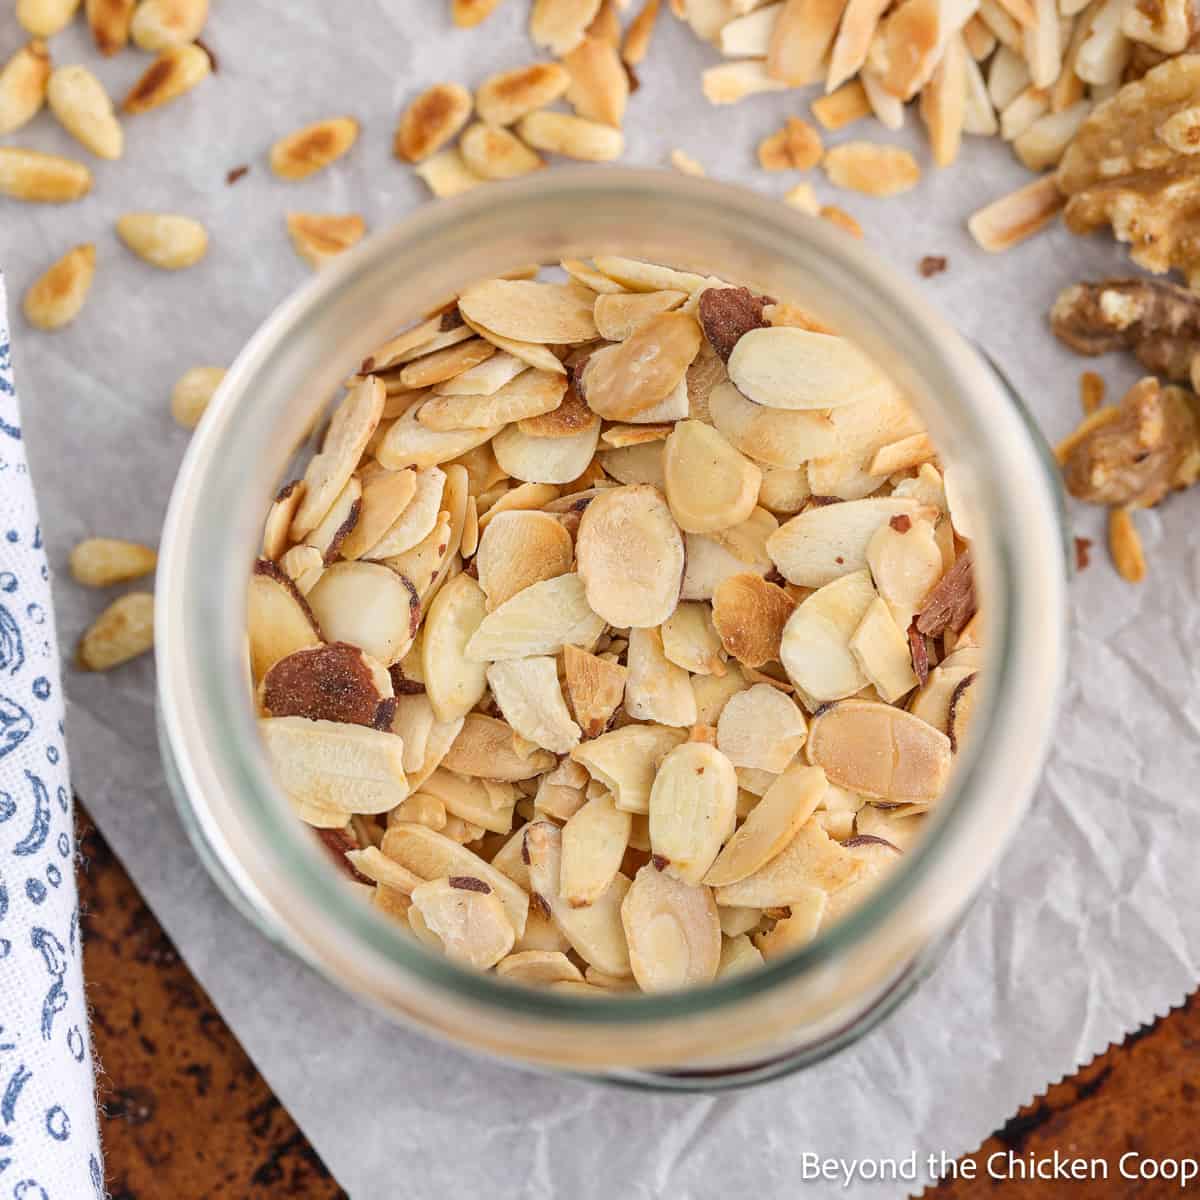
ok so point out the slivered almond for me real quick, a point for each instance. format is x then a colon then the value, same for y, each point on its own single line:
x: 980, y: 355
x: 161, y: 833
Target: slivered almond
x: 313, y: 147
x: 1125, y: 546
x: 469, y: 923
x: 57, y: 296
x: 692, y: 809
x: 495, y: 153
x: 761, y: 728
x: 192, y: 394
x: 631, y: 378
x: 431, y: 120
x: 446, y: 174
x: 594, y: 841
x: 625, y: 760
x: 42, y: 178
x: 617, y: 316
x: 504, y: 98
x: 872, y: 169
x: 1010, y: 220
x: 849, y: 53
x: 528, y: 311
x: 672, y: 931
x: 318, y: 237
x: 571, y: 136
x: 944, y: 101
x: 916, y: 769
x: 45, y: 18
x: 594, y: 687
x: 540, y: 619
x: 558, y: 25
x: 750, y: 615
x: 172, y: 74
x: 639, y: 32
x: 109, y: 21
x: 656, y: 689
x: 630, y: 556
x: 531, y: 700
x: 165, y: 240
x: 749, y: 35
x: 734, y: 81
x: 120, y: 633
x: 599, y: 87
x: 23, y: 83
x: 690, y: 641
x: 101, y: 562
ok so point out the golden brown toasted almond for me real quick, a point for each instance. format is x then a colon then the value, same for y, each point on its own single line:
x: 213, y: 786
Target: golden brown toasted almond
x: 801, y: 38
x: 558, y: 25
x: 318, y: 237
x: 45, y: 18
x: 795, y: 147
x: 445, y: 364
x: 164, y: 240
x: 571, y: 417
x: 527, y: 311
x: 631, y: 378
x: 693, y: 806
x: 190, y: 396
x: 1125, y: 546
x: 1006, y: 222
x: 504, y: 98
x: 42, y: 178
x: 454, y: 683
x: 492, y: 152
x: 160, y: 24
x: 466, y: 14
x: 530, y: 394
x: 101, y: 562
x: 812, y: 859
x: 109, y: 21
x: 538, y: 967
x: 672, y: 931
x: 872, y: 169
x: 78, y: 99
x: 842, y: 107
x: 121, y: 632
x: 539, y: 619
x: 337, y: 682
x: 484, y: 748
x: 279, y: 519
x: 943, y: 103
x: 726, y: 314
x: 369, y: 605
x: 171, y: 75
x: 710, y: 485
x: 617, y: 315
x: 639, y: 32
x: 842, y: 219
x: 23, y: 83
x: 761, y: 728
x: 595, y: 688
x: 599, y: 87
x: 278, y: 619
x: 56, y: 297
x: 302, y: 153
x: 571, y: 136
x: 750, y: 615
x: 431, y: 120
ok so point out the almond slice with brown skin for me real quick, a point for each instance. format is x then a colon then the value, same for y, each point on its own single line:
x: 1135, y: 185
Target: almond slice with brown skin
x: 467, y: 919
x: 693, y: 807
x: 812, y: 859
x: 453, y: 682
x: 761, y: 728
x: 932, y: 701
x: 626, y: 761
x: 672, y: 930
x: 518, y: 549
x: 594, y: 841
x: 385, y: 495
x: 785, y: 806
x: 368, y: 605
x: 338, y: 682
x: 630, y: 557
x: 962, y: 711
x: 595, y: 687
x: 709, y: 484
x: 278, y: 620
x: 337, y: 524
x: 529, y: 696
x: 846, y: 741
x: 417, y: 518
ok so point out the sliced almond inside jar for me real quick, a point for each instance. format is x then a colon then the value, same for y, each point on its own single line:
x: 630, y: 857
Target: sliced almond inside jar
x: 417, y: 518
x: 533, y: 354
x: 625, y: 380
x: 656, y: 689
x: 932, y: 701
x: 709, y: 484
x: 408, y: 443
x: 453, y: 682
x: 303, y: 565
x: 905, y: 563
x: 812, y: 859
x: 385, y: 496
x: 546, y: 459
x: 707, y: 566
x: 337, y: 682
x: 636, y: 464
x: 775, y: 437
x: 531, y: 312
x: 618, y: 315
x: 518, y: 549
x: 540, y: 619
x: 962, y: 711
x: 467, y: 918
x: 529, y: 696
x: 761, y: 728
x: 472, y: 799
x: 447, y: 363
x: 594, y: 841
x: 640, y: 276
x: 483, y: 379
x: 630, y: 556
x: 690, y: 641
x: 693, y: 807
x: 773, y: 822
x: 882, y: 650
x: 538, y: 967
x: 595, y: 687
x: 367, y: 605
x: 750, y: 615
x: 530, y: 394
x: 806, y: 914
x: 845, y: 741
x: 336, y: 525
x: 672, y: 930
x: 278, y: 621
x: 626, y: 760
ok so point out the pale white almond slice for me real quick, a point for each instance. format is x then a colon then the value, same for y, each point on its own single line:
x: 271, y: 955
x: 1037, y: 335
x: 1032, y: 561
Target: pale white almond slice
x: 518, y: 549
x: 656, y: 689
x: 861, y: 428
x: 594, y: 931
x: 560, y: 801
x: 368, y: 605
x: 470, y: 537
x: 442, y: 735
x: 932, y: 701
x: 776, y: 437
x: 303, y: 565
x: 538, y: 968
x: 610, y: 983
x: 524, y: 497
x: 815, y: 648
x: 902, y: 455
x: 781, y: 366
x: 482, y: 380
x: 962, y: 711
x: 278, y: 620
x: 279, y: 519
x: 385, y: 496
x: 958, y: 502
x: 734, y: 81
x: 594, y: 841
x: 469, y: 800
x: 709, y: 484
x: 881, y: 649
x: 925, y: 486
x: 374, y: 864
x: 421, y: 564
x: 445, y: 364
x: 630, y: 378
x: 820, y: 545
x: 902, y: 832
x: 618, y: 315
x: 595, y: 687
x: 422, y: 339
x: 783, y: 490
x: 350, y: 429
x: 533, y: 354
x: 467, y: 918
x: 812, y: 859
x: 640, y: 276
x: 712, y: 693
x: 672, y: 931
x: 408, y: 443
x: 590, y: 277
x: 636, y: 464
x: 847, y: 741
x: 495, y: 153
x: 558, y: 25
x: 338, y: 523
x: 446, y: 174
x: 453, y: 682
x: 842, y: 478
x: 690, y: 641
x: 761, y: 728
x: 707, y: 566
x: 530, y: 394
x: 528, y: 311
x: 693, y: 806
x: 792, y: 932
x: 531, y: 700
x: 738, y: 955
x: 749, y: 615
x: 773, y: 822
x: 546, y: 459
x: 754, y: 782
x: 630, y: 556
x: 349, y: 768
x: 599, y: 81
x: 749, y: 36
x: 540, y: 619
x: 626, y: 759
x: 736, y: 921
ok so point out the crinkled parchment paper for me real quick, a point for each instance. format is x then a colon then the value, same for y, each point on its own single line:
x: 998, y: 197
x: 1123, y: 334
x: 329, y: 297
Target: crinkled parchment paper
x: 1090, y: 924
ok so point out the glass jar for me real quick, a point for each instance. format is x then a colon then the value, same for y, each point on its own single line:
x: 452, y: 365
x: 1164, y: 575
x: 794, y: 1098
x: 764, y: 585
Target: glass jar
x: 747, y: 1028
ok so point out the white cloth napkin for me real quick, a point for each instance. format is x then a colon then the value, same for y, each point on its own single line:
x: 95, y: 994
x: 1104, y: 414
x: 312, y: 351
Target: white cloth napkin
x: 49, y: 1140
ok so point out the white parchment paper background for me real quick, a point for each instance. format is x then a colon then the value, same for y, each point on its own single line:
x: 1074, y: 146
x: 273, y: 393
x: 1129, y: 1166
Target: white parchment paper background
x: 1090, y: 925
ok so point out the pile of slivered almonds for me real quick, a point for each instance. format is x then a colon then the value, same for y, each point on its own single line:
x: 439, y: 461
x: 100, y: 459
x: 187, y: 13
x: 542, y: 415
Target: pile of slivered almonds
x: 578, y: 639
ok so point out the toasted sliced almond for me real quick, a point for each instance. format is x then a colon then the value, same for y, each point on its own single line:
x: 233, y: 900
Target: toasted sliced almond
x: 594, y: 841
x: 313, y: 148
x: 845, y: 741
x: 504, y: 98
x: 639, y: 276
x: 484, y: 379
x: 336, y: 525
x: 690, y: 641
x: 617, y: 315
x: 795, y: 147
x: 905, y: 563
x: 1010, y: 220
x: 531, y: 700
x: 636, y: 464
x: 777, y: 437
x: 590, y: 277
x: 367, y: 605
x: 467, y: 919
x: 346, y: 768
x: 801, y: 39
x: 538, y: 967
x: 639, y: 32
x: 540, y: 619
x: 750, y: 615
x: 932, y: 702
x: 812, y: 859
x: 784, y: 490
x: 172, y: 74
x: 518, y: 549
x: 747, y: 541
x: 738, y: 954
x: 619, y: 436
x: 446, y: 174
x: 413, y: 721
x: 42, y: 178
x: 599, y: 87
x: 386, y: 495
x: 530, y: 394
x: 528, y: 311
x: 761, y: 728
x: 546, y: 460
x: 45, y: 18
x: 749, y: 36
x: 431, y: 120
x: 318, y: 237
x: 56, y: 297
x: 882, y: 650
x: 446, y: 363
x: 710, y: 485
x: 408, y: 443
x: 594, y: 687
x: 707, y: 566
x: 476, y: 801
x: 23, y: 83
x: 692, y: 809
x: 417, y: 517
x: 734, y: 81
x: 798, y: 929
x: 944, y: 101
x: 626, y: 760
x: 303, y: 565
x: 109, y: 21
x: 190, y: 398
x: 121, y: 632
x: 533, y: 354
x: 571, y: 136
x: 278, y: 621
x: 630, y: 556
x: 872, y: 169
x: 672, y: 931
x: 376, y: 865
x: 1126, y: 546
x: 656, y: 689
x: 453, y: 682
x: 495, y: 153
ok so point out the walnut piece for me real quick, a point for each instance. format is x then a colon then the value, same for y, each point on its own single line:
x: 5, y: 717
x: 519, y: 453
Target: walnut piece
x: 1148, y: 448
x: 1159, y: 322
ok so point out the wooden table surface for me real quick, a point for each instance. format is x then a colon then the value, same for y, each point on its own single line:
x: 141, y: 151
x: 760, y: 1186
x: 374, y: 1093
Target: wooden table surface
x: 185, y: 1115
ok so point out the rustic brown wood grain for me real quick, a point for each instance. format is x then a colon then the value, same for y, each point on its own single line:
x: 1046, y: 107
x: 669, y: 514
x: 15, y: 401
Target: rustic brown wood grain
x: 186, y: 1115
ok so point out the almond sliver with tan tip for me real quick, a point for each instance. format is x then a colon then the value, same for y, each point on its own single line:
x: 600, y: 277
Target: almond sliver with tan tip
x: 385, y: 496
x: 594, y: 931
x: 368, y: 605
x: 749, y: 615
x: 848, y: 741
x: 626, y: 761
x: 518, y: 549
x: 408, y: 443
x: 781, y: 366
x: 540, y: 619
x: 710, y: 485
x: 761, y: 728
x: 595, y: 688
x: 531, y: 700
x: 771, y: 825
x: 619, y: 314
x: 530, y: 394
x: 453, y: 682
x: 693, y: 806
x: 278, y: 621
x: 349, y: 768
x: 467, y: 918
x: 594, y: 841
x: 531, y: 312
x: 672, y: 931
